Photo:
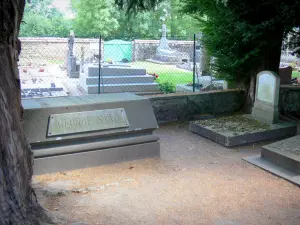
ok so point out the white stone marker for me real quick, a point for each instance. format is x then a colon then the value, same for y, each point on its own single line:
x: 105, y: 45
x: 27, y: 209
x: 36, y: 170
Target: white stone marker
x: 266, y: 97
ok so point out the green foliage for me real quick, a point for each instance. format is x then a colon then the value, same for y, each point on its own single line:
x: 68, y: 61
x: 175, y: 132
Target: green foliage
x: 42, y: 20
x: 94, y: 17
x: 244, y: 36
x: 167, y: 87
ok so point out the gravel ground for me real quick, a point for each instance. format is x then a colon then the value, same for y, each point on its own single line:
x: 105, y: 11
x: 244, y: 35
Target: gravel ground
x: 195, y: 181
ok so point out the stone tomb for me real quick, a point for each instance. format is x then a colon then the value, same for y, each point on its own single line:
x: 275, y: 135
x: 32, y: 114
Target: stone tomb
x: 116, y: 78
x: 262, y: 125
x: 281, y: 158
x: 68, y: 133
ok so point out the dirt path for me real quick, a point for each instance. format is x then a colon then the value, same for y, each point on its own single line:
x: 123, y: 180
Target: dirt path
x: 196, y: 181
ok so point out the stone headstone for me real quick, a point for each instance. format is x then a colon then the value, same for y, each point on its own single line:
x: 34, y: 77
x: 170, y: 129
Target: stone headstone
x: 285, y: 74
x: 265, y: 106
x: 73, y: 71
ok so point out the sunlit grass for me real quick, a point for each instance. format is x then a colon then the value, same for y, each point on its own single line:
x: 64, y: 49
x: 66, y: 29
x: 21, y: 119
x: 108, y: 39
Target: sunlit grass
x: 166, y: 73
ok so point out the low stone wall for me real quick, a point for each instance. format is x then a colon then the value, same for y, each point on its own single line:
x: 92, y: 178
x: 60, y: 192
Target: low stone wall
x: 52, y: 50
x: 170, y: 108
x: 46, y: 50
x: 289, y: 99
x: 145, y: 49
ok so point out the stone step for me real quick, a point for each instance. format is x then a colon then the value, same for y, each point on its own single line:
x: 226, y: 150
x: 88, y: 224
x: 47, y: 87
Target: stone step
x: 93, y: 71
x: 129, y: 87
x: 284, y: 154
x: 121, y: 79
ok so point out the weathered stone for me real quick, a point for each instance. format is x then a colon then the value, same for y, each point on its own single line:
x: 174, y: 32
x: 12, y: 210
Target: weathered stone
x: 79, y: 223
x: 266, y: 98
x: 53, y: 192
x: 184, y: 107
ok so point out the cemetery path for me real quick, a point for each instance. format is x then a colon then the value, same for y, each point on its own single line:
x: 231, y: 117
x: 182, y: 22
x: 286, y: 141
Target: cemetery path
x: 196, y: 181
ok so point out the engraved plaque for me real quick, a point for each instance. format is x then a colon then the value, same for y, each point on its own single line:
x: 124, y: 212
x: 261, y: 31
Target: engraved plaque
x: 77, y: 122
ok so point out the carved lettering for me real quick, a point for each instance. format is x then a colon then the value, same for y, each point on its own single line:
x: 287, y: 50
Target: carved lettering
x: 69, y: 123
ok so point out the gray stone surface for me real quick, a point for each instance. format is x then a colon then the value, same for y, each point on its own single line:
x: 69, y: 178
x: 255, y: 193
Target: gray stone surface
x: 184, y: 107
x: 266, y: 97
x: 285, y: 153
x: 164, y: 53
x: 116, y: 79
x: 63, y: 152
x: 285, y: 74
x: 274, y: 169
x: 280, y: 130
x: 289, y: 99
x: 94, y: 158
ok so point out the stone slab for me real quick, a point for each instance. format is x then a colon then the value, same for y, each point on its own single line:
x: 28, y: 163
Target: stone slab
x: 90, y: 147
x: 162, y: 62
x: 37, y: 112
x: 120, y: 79
x: 93, y: 71
x: 117, y: 88
x: 274, y: 169
x: 285, y: 153
x: 265, y: 106
x: 95, y: 158
x: 282, y: 130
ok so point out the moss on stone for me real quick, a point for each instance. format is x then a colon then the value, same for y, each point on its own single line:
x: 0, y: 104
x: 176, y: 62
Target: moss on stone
x: 234, y: 125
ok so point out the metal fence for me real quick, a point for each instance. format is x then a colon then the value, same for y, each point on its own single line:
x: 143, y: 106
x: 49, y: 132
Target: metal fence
x: 70, y: 67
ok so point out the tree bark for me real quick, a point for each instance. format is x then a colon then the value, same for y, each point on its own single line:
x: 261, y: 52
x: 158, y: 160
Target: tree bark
x: 270, y: 60
x: 18, y: 204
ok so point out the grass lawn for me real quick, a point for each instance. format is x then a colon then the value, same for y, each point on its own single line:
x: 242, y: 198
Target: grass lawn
x: 166, y: 73
x: 295, y: 74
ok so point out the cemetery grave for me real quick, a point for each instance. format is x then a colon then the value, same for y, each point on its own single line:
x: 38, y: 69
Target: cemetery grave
x: 281, y: 158
x: 42, y: 81
x: 67, y: 133
x: 262, y: 125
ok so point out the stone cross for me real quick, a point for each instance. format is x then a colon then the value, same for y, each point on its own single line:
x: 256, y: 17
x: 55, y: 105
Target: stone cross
x: 71, y: 43
x: 266, y: 97
x: 164, y: 30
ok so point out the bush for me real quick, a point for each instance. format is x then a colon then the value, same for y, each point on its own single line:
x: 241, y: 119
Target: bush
x: 167, y: 87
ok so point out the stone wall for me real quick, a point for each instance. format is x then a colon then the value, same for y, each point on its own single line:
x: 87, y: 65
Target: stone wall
x: 47, y: 50
x: 289, y: 102
x: 145, y: 49
x: 170, y: 108
x: 52, y: 50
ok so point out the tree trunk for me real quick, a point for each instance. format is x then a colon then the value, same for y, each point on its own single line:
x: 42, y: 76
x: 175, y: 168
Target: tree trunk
x: 270, y: 61
x: 18, y: 204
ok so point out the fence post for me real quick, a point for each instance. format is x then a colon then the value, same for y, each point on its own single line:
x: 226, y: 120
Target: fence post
x: 99, y: 53
x: 194, y: 63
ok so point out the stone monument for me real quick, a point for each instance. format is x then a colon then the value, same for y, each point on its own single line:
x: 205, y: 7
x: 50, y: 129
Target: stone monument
x: 164, y: 54
x: 265, y: 106
x: 73, y: 70
x: 68, y: 133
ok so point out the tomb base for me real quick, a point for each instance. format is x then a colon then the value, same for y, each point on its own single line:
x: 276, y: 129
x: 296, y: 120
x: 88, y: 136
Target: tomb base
x: 68, y: 133
x: 281, y: 158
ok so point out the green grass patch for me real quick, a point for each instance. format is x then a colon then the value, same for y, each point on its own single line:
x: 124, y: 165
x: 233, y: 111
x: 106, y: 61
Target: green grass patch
x: 295, y: 74
x: 166, y: 73
x: 55, y: 61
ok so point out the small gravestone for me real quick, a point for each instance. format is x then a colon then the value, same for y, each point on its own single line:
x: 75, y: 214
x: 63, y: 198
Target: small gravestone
x: 265, y: 106
x: 285, y: 74
x: 262, y: 125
